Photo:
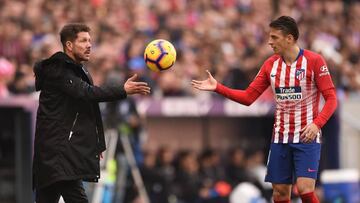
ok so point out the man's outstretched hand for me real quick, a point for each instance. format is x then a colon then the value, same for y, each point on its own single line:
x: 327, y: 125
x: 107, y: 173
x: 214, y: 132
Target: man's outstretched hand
x: 133, y: 87
x: 208, y: 85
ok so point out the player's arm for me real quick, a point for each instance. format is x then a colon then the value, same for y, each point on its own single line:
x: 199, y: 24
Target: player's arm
x: 310, y: 131
x: 326, y: 87
x: 328, y: 109
x: 245, y: 97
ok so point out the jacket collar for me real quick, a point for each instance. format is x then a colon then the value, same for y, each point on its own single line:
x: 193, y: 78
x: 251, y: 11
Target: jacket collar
x: 62, y: 56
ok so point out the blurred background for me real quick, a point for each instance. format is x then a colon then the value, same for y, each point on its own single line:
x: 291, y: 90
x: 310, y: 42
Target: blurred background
x: 189, y: 146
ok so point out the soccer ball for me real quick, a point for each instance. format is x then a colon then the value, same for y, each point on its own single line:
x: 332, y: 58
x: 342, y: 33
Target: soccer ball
x: 159, y: 55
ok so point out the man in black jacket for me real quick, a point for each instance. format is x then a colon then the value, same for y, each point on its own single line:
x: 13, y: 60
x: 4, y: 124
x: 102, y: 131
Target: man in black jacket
x: 69, y: 137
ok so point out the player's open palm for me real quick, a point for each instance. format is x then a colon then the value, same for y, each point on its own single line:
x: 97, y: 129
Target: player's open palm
x: 133, y: 87
x: 209, y: 84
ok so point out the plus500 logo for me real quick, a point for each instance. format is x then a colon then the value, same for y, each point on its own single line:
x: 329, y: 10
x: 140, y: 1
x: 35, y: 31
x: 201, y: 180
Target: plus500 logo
x: 288, y: 93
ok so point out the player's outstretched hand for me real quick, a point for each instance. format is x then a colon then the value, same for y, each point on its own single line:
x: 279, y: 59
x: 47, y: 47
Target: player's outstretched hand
x: 133, y: 87
x: 309, y: 133
x: 209, y: 84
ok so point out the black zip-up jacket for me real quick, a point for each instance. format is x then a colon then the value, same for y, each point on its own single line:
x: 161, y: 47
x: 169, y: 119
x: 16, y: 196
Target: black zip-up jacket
x: 69, y: 134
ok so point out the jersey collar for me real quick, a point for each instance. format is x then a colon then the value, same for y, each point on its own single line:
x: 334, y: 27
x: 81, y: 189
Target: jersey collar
x: 301, y: 52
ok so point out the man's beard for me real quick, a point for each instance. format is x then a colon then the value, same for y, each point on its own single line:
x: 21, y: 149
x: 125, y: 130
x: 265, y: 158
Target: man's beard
x: 80, y: 57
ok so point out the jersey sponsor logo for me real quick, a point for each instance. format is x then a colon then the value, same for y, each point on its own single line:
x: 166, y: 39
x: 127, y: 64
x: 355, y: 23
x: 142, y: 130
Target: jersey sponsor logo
x: 324, y: 71
x: 300, y: 74
x: 288, y: 93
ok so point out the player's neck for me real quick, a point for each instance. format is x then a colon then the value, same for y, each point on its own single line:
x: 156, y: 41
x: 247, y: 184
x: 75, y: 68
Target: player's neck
x: 291, y: 55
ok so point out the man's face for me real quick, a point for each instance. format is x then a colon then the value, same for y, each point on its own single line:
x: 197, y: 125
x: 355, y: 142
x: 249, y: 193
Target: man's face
x: 278, y: 41
x: 81, y: 47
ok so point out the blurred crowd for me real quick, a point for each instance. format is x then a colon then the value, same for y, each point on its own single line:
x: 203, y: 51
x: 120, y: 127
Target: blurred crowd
x: 207, y: 177
x: 228, y: 37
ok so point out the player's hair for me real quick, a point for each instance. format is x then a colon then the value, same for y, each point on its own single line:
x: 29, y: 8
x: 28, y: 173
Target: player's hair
x: 287, y: 25
x: 69, y: 32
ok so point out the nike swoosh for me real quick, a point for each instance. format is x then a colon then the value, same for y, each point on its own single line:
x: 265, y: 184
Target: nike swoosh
x: 272, y: 75
x: 311, y: 170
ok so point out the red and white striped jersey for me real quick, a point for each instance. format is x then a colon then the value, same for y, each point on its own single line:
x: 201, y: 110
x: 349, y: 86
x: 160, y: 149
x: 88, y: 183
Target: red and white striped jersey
x: 297, y: 89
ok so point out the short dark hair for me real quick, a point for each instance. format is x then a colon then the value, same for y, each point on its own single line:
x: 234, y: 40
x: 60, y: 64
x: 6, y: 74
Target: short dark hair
x: 287, y: 25
x: 69, y: 32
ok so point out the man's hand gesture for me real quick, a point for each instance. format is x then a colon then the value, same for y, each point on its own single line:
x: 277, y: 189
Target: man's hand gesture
x: 208, y: 85
x: 133, y: 87
x: 309, y: 133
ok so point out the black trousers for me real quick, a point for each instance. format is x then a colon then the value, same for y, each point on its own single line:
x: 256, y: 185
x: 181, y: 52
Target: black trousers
x: 71, y: 191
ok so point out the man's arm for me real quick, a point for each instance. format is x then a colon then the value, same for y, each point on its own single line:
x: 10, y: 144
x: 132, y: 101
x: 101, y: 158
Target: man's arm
x: 74, y: 86
x: 326, y: 87
x: 250, y: 94
x: 310, y: 131
x: 328, y: 109
x: 245, y: 97
x: 80, y: 89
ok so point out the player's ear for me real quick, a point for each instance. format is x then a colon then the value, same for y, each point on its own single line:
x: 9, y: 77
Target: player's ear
x: 289, y: 38
x: 69, y: 45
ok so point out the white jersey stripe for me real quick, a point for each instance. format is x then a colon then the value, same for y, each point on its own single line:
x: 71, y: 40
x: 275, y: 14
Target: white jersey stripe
x: 318, y: 137
x: 286, y: 127
x: 273, y: 73
x: 297, y: 124
x: 277, y: 128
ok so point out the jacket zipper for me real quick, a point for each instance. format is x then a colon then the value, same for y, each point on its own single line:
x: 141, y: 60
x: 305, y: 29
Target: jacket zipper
x: 72, y: 127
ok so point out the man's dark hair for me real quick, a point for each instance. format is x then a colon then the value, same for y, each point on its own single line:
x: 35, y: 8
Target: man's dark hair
x: 69, y: 32
x: 287, y: 25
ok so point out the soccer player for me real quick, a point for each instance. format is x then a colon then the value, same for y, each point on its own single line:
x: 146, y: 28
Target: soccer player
x: 297, y: 77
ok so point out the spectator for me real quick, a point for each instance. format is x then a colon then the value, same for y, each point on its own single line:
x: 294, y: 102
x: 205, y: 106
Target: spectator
x: 6, y: 73
x: 166, y: 169
x: 235, y: 170
x: 187, y: 181
x: 207, y: 34
x: 154, y: 182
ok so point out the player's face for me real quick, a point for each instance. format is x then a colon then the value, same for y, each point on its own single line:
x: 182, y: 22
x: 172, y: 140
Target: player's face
x: 278, y: 41
x: 81, y: 47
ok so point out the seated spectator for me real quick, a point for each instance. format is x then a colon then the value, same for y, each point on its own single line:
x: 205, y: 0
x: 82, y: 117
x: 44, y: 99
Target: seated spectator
x: 7, y: 71
x: 187, y: 182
